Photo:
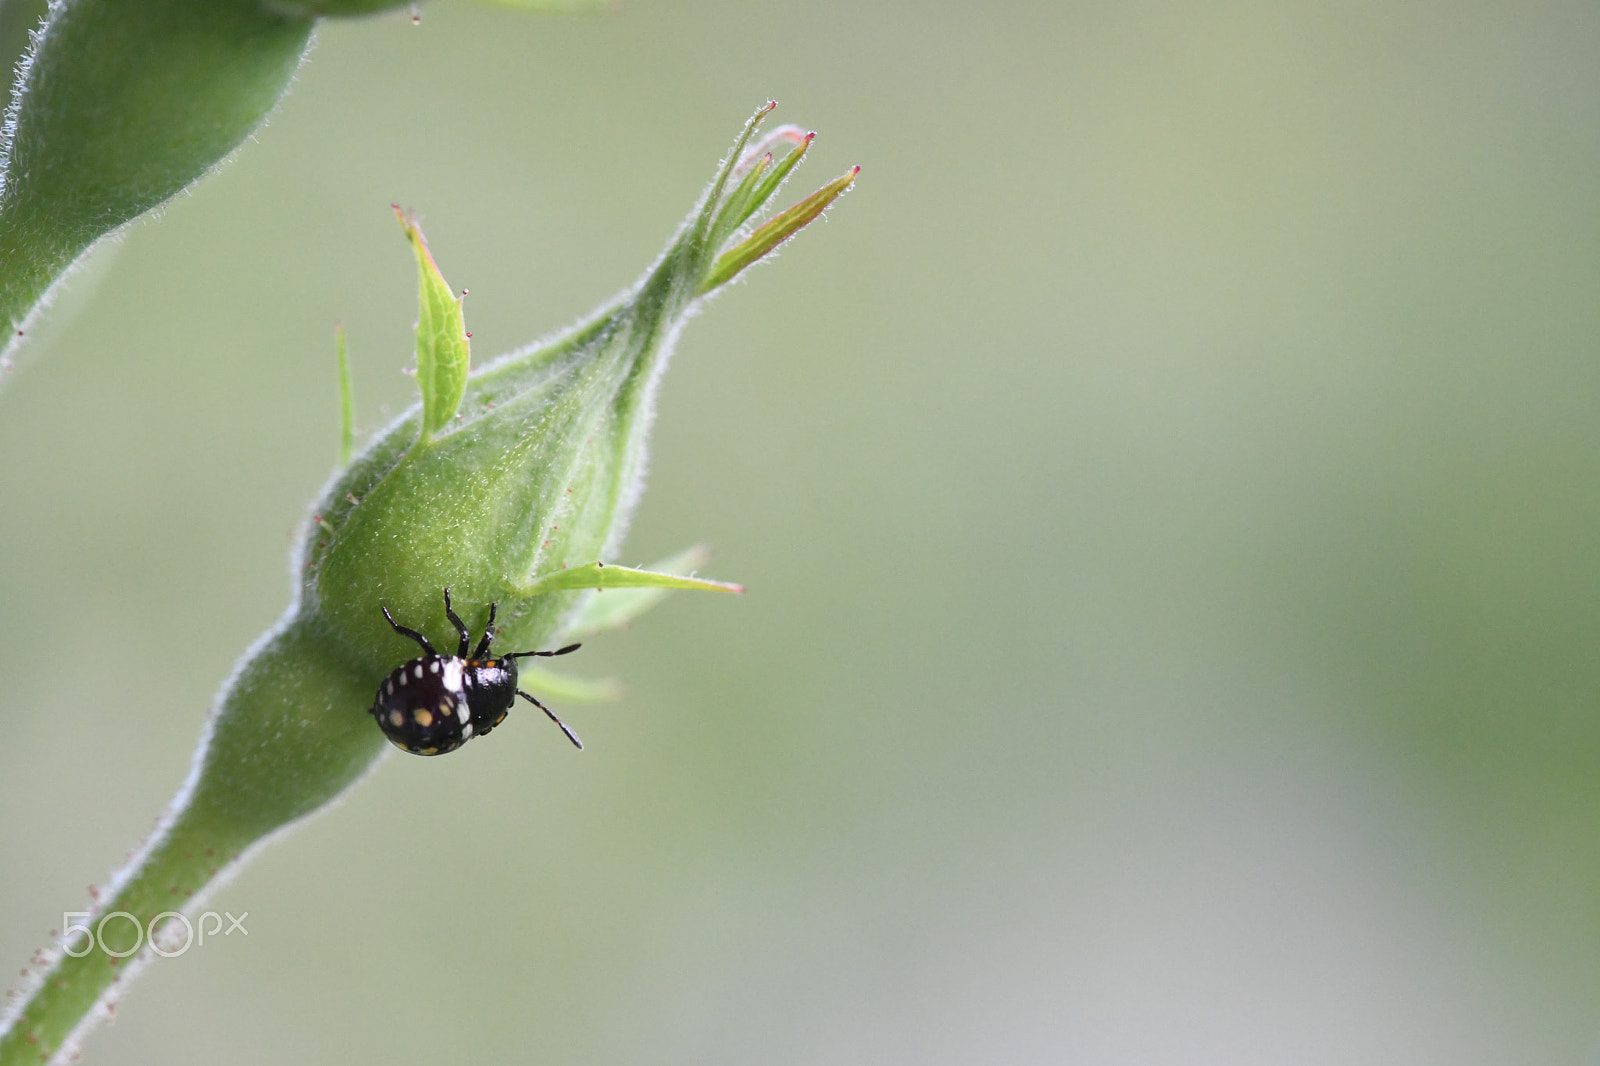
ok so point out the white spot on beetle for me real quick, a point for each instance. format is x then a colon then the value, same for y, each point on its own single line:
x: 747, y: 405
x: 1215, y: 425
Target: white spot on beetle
x: 452, y: 675
x: 466, y: 731
x: 419, y: 671
x: 433, y: 667
x: 462, y: 712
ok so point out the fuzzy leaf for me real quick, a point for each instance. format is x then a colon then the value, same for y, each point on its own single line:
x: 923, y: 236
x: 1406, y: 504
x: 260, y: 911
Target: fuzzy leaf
x: 442, y: 346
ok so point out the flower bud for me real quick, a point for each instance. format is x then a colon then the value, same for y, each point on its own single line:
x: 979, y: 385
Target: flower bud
x: 536, y: 467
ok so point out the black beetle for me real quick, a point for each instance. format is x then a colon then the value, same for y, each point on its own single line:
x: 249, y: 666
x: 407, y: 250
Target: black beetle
x: 436, y: 703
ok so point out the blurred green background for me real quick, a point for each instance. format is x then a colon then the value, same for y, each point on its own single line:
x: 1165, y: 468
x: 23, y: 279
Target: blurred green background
x: 1168, y: 488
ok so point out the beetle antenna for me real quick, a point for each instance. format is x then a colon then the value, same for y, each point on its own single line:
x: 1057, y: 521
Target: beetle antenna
x: 524, y: 654
x: 570, y: 734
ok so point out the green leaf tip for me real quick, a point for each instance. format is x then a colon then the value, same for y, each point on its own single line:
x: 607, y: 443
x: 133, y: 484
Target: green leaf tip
x: 443, y: 343
x: 347, y: 410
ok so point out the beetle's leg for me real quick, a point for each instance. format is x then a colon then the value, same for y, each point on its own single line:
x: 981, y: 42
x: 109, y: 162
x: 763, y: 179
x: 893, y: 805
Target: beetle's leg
x: 570, y: 734
x: 455, y: 620
x: 412, y: 633
x: 488, y: 636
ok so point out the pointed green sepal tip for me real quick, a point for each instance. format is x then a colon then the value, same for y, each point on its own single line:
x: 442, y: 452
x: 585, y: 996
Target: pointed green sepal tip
x: 443, y: 347
x: 601, y: 576
x: 775, y: 231
x: 347, y: 410
x: 769, y: 184
x: 615, y: 608
x: 716, y: 203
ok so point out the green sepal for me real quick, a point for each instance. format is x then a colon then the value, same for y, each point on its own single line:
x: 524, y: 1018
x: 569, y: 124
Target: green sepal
x: 443, y: 348
x: 618, y: 607
x: 710, y: 219
x: 769, y: 184
x: 777, y: 230
x: 601, y: 576
x: 347, y: 409
x: 741, y: 201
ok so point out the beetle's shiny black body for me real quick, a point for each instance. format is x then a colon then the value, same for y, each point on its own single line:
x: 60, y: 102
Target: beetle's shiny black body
x: 435, y: 703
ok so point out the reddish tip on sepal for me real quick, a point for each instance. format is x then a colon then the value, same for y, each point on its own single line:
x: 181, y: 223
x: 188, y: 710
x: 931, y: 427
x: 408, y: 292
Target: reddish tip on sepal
x: 777, y: 230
